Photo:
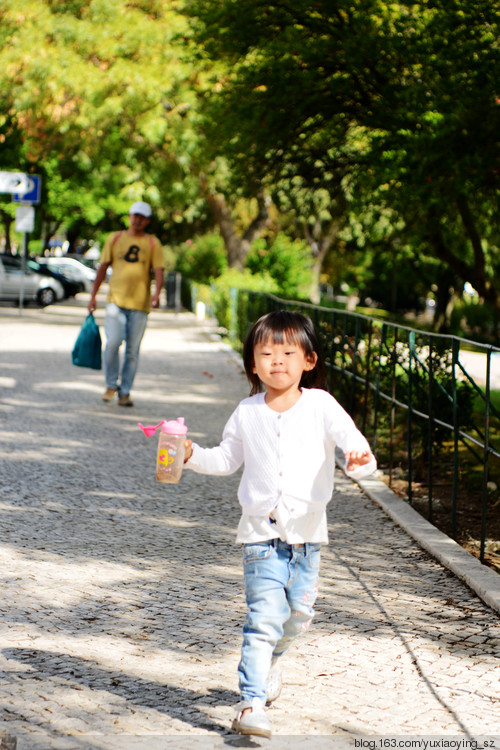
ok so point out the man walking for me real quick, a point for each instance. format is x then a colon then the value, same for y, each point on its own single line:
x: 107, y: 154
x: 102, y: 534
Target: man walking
x: 132, y: 255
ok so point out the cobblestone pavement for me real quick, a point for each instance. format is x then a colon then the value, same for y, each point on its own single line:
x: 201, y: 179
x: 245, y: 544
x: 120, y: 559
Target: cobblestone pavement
x: 121, y: 599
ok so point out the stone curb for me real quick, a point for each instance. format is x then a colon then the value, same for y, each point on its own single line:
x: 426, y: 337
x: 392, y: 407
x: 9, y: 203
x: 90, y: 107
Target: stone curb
x: 484, y: 581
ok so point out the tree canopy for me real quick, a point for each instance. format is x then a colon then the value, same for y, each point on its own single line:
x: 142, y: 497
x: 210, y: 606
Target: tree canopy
x: 93, y: 95
x: 399, y: 102
x: 371, y: 127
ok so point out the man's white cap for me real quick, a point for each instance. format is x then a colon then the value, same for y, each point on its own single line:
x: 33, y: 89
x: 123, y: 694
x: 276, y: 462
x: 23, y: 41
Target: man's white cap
x: 144, y: 209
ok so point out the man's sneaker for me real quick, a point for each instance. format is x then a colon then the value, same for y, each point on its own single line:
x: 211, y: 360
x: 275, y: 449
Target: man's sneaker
x: 125, y: 401
x: 254, y: 721
x: 274, y: 683
x: 109, y: 394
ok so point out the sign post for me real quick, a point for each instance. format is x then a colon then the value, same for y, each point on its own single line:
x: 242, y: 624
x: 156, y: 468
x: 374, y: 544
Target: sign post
x: 25, y: 223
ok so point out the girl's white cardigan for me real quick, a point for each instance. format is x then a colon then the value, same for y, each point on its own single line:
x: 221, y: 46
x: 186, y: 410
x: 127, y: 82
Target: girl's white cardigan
x: 288, y: 455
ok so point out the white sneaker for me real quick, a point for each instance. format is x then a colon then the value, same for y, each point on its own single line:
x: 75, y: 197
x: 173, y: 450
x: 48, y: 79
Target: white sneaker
x: 254, y: 721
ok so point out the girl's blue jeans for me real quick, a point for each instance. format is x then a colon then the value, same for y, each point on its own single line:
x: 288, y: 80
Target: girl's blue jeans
x: 281, y: 585
x: 121, y: 325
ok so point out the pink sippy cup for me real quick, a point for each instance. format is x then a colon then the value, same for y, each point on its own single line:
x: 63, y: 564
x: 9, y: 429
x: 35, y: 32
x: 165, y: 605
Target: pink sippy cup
x: 170, y: 456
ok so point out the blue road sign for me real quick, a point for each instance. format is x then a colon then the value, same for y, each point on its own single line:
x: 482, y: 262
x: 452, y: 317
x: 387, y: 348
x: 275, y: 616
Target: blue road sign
x: 34, y: 190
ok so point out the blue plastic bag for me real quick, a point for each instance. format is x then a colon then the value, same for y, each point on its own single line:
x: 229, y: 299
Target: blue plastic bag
x: 87, y: 349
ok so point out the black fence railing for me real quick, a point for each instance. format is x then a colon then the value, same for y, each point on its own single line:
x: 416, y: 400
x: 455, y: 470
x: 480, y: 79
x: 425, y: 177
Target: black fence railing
x: 426, y: 401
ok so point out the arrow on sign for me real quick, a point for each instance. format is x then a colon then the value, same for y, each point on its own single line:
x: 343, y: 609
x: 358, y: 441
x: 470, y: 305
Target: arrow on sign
x: 14, y: 182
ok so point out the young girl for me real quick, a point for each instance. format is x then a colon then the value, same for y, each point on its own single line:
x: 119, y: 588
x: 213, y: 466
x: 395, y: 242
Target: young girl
x: 285, y: 434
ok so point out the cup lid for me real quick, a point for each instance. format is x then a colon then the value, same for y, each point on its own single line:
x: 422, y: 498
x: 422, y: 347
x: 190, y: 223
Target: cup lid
x: 174, y: 426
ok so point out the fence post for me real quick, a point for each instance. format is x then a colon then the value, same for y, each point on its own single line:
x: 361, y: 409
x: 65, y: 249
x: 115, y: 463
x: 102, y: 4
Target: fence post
x: 394, y: 359
x: 455, y: 353
x: 367, y: 376
x: 485, y: 456
x: 332, y: 350
x: 233, y: 314
x: 377, y: 386
x: 411, y: 342
x: 430, y: 434
x: 352, y: 394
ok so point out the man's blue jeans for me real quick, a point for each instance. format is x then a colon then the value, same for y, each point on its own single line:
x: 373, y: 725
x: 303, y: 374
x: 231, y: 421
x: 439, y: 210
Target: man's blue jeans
x: 122, y: 325
x: 281, y: 585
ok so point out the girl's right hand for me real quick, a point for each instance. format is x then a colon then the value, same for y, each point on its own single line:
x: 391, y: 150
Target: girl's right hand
x: 188, y: 448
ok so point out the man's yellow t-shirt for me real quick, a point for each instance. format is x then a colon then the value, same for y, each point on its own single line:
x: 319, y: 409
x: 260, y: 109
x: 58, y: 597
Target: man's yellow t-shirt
x: 132, y: 260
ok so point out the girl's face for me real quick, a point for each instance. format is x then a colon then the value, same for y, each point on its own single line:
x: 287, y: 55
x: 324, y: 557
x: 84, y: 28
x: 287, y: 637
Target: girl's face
x: 280, y: 366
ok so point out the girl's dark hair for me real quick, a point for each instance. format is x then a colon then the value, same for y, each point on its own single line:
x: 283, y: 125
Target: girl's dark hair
x: 284, y: 326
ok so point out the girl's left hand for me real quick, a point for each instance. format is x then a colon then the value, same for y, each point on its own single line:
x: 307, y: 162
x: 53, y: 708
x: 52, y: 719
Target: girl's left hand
x: 354, y: 459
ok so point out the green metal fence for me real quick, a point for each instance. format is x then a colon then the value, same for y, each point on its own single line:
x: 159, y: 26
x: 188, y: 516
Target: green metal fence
x: 425, y: 401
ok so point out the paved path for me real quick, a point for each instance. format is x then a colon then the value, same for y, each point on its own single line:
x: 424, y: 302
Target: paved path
x: 121, y: 599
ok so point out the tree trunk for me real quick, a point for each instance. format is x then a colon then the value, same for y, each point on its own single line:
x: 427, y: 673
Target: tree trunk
x: 49, y: 228
x: 320, y: 247
x: 237, y: 246
x: 7, y: 220
x: 475, y: 275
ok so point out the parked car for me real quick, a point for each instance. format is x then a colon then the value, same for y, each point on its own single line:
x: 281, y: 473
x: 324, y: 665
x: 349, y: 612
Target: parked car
x: 91, y: 258
x: 43, y: 290
x: 70, y: 287
x: 72, y: 269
